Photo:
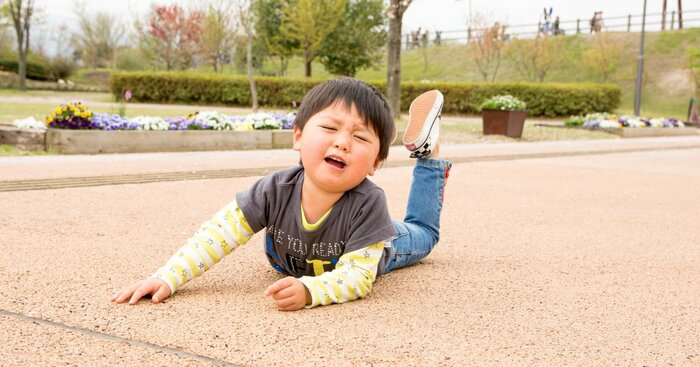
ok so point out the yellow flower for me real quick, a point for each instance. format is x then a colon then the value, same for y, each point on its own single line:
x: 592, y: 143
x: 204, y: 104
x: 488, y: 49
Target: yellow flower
x: 57, y: 111
x: 71, y: 107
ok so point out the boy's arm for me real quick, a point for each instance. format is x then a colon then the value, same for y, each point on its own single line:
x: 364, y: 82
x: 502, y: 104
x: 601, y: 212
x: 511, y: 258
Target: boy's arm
x: 215, y: 239
x: 351, y: 279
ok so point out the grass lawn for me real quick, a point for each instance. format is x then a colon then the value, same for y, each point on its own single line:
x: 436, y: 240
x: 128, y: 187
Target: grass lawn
x: 64, y: 95
x: 461, y: 132
x: 10, y: 151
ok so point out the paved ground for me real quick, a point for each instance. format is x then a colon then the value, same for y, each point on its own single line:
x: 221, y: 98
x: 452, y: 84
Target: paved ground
x: 578, y: 253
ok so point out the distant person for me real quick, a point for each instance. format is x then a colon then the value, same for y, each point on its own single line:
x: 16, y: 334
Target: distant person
x: 546, y: 27
x: 496, y: 31
x: 328, y: 229
x: 597, y: 22
x: 557, y: 31
x: 438, y: 35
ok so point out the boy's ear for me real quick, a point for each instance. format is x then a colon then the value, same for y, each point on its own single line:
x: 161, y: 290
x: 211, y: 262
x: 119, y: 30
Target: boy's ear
x: 297, y: 137
x: 375, y: 167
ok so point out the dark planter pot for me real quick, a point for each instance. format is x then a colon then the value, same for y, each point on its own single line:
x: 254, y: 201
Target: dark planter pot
x: 499, y: 122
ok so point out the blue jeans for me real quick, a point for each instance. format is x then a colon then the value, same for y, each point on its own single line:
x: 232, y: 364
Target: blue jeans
x: 420, y: 230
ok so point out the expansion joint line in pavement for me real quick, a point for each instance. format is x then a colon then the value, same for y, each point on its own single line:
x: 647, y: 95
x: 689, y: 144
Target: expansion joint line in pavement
x: 113, y: 338
x: 69, y: 182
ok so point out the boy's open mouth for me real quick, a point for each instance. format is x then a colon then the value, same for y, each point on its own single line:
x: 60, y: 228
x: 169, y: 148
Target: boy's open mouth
x: 334, y: 161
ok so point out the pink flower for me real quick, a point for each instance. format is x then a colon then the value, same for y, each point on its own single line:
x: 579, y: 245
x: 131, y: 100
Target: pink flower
x: 127, y: 95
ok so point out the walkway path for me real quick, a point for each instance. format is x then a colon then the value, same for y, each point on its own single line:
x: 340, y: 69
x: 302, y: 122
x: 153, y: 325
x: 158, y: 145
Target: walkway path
x: 551, y: 254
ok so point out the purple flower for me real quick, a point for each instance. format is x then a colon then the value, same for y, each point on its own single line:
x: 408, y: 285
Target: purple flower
x: 105, y: 121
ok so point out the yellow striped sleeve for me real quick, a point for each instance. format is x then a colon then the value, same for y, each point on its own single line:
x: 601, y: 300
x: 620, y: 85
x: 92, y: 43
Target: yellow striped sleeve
x: 351, y: 279
x: 215, y: 239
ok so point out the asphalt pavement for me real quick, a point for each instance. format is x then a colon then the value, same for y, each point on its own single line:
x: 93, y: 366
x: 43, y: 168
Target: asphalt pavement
x: 561, y: 253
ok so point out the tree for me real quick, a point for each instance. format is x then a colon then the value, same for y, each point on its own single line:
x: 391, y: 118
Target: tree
x: 268, y: 14
x: 21, y: 12
x: 393, y: 79
x: 355, y: 42
x: 487, y: 46
x: 533, y: 58
x: 98, y: 38
x: 309, y: 22
x: 171, y: 36
x: 604, y: 56
x: 217, y: 33
x: 247, y: 21
x: 6, y: 38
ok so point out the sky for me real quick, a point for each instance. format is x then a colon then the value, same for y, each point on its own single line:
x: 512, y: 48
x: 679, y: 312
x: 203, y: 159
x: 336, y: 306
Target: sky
x: 449, y: 16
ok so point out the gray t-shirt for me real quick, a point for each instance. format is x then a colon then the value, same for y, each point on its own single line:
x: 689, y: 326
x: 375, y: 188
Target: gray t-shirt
x: 358, y: 219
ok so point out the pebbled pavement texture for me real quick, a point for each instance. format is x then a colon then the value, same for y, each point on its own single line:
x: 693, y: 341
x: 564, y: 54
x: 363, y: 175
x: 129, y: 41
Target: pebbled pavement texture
x: 566, y: 253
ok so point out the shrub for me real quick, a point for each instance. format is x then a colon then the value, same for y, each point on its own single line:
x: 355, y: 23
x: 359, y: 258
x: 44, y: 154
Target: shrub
x: 61, y: 68
x: 35, y: 70
x: 543, y: 99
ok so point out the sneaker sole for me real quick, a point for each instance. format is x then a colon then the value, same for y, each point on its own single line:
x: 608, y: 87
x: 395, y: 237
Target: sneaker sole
x: 419, y: 111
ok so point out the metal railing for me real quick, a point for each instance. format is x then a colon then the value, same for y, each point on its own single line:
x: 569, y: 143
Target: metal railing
x: 622, y: 23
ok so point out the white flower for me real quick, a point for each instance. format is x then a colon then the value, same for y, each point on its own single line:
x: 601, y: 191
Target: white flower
x: 609, y: 124
x: 657, y: 122
x: 151, y: 123
x: 29, y: 123
x: 215, y: 120
x: 263, y: 121
x: 634, y: 122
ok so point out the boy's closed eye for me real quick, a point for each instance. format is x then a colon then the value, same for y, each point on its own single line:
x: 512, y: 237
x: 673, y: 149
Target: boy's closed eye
x: 362, y: 138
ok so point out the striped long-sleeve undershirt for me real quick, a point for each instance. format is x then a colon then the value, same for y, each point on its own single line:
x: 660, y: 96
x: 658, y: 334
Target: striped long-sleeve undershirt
x: 215, y: 239
x: 351, y: 279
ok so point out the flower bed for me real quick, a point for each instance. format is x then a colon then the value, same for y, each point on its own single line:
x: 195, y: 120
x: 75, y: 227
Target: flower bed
x: 610, y: 121
x: 77, y: 116
x: 74, y: 129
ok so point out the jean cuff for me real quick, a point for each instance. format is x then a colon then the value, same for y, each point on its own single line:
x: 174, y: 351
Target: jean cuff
x: 434, y: 163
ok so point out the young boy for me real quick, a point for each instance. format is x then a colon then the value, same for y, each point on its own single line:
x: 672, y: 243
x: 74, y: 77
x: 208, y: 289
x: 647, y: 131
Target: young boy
x: 327, y: 226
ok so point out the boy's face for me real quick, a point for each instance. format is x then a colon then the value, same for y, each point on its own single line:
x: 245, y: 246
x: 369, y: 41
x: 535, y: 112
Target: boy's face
x: 337, y: 148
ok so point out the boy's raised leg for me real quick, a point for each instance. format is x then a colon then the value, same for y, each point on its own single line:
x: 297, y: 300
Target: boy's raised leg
x: 420, y: 230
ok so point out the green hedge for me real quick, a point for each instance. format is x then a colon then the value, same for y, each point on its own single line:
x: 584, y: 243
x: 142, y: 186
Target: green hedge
x: 544, y: 99
x: 35, y: 70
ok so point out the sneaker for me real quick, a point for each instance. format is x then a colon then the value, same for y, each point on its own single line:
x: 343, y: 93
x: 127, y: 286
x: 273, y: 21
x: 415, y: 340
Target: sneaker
x: 423, y: 128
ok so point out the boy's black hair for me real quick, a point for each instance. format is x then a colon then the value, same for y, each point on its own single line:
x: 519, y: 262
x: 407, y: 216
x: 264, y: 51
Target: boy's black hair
x: 368, y: 101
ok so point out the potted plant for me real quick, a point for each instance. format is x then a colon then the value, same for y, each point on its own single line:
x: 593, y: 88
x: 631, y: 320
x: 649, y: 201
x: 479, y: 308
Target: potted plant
x: 504, y: 115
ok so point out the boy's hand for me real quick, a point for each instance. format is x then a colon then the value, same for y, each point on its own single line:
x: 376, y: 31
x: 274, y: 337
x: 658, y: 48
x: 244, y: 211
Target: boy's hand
x: 289, y: 293
x: 155, y: 287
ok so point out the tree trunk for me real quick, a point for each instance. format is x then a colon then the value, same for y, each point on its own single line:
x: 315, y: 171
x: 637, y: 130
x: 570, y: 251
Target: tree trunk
x: 307, y: 64
x: 249, y: 68
x: 283, y: 66
x: 21, y: 15
x: 22, y: 68
x: 663, y: 15
x: 393, y: 73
